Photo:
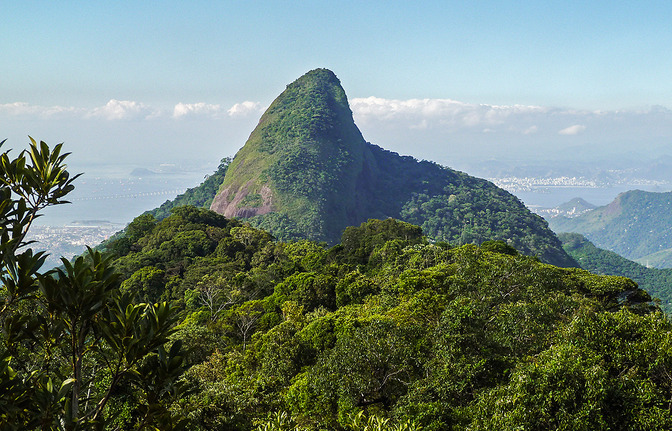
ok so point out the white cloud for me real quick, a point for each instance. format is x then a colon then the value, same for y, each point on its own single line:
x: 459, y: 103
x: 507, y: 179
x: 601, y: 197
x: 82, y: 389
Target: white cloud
x: 572, y: 130
x: 245, y: 108
x: 128, y: 109
x: 419, y: 126
x: 182, y: 109
x: 437, y: 112
x: 392, y: 108
x: 123, y: 110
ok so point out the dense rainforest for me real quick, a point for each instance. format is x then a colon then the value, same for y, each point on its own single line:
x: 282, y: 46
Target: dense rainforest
x: 203, y: 322
x: 386, y: 326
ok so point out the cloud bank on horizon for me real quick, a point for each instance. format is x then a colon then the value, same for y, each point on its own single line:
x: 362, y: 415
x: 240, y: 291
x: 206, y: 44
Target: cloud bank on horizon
x: 452, y: 132
x: 445, y: 130
x: 128, y: 110
x: 445, y: 114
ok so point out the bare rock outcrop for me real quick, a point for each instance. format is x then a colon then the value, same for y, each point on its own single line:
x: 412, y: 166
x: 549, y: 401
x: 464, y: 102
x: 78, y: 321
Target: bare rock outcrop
x: 233, y: 204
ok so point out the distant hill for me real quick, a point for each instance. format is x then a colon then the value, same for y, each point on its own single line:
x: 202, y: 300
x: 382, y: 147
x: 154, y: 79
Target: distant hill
x: 657, y: 282
x: 634, y: 225
x: 307, y: 172
x: 142, y: 172
x: 574, y: 208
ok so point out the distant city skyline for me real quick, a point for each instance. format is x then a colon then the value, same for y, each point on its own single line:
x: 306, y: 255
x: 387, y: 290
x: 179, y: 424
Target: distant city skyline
x: 149, y: 82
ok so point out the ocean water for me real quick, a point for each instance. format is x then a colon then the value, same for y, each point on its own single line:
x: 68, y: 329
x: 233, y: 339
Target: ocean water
x: 117, y: 197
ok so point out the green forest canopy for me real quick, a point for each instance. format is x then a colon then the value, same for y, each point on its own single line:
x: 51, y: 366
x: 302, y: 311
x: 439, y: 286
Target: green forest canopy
x: 388, y: 326
x: 655, y: 281
x: 384, y: 330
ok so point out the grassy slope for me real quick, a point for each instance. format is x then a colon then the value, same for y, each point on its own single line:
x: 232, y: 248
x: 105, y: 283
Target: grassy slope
x: 661, y: 259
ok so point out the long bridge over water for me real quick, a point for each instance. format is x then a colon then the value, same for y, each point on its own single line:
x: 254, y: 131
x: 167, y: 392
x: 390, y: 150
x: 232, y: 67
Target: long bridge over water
x: 129, y: 195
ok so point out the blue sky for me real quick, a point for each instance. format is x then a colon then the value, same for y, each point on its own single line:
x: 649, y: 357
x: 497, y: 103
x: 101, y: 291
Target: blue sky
x: 166, y: 80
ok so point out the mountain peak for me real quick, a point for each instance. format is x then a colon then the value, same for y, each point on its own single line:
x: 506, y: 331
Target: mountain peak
x: 313, y: 101
x: 307, y: 172
x: 302, y: 156
x: 319, y: 74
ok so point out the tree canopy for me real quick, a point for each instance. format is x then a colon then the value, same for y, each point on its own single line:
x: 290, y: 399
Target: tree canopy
x: 386, y: 330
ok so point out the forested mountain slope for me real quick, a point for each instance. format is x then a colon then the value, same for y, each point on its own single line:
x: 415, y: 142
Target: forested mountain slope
x: 200, y: 196
x: 634, y: 225
x: 388, y: 331
x: 307, y: 172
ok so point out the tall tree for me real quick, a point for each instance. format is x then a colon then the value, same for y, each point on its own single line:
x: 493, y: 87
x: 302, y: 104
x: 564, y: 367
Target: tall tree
x: 69, y: 338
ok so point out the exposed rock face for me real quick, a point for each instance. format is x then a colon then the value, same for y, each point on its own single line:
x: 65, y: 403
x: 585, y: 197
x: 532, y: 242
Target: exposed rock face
x: 235, y: 206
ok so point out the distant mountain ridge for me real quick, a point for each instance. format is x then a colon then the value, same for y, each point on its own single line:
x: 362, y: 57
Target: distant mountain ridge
x: 307, y: 172
x: 634, y: 225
